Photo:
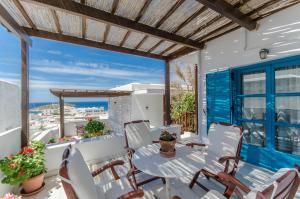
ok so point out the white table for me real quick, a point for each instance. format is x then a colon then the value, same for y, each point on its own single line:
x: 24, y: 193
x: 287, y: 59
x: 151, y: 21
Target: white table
x: 186, y: 162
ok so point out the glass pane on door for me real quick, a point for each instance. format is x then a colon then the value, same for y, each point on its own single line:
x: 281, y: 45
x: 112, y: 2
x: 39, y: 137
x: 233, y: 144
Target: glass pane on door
x: 254, y: 83
x: 254, y: 133
x: 254, y: 108
x: 288, y: 109
x: 288, y: 79
x: 288, y: 140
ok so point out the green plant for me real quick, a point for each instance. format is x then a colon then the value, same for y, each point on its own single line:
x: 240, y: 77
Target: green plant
x: 166, y: 136
x: 52, y: 141
x: 182, y: 103
x: 29, y: 162
x: 94, y: 126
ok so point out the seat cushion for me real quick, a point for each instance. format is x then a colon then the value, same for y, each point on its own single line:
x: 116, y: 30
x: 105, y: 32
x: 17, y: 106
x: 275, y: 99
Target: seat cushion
x: 212, y: 194
x: 115, y: 188
x: 138, y: 134
x: 81, y: 178
x: 223, y: 140
x: 212, y: 164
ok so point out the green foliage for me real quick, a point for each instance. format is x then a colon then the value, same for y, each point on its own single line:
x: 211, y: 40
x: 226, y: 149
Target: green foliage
x: 28, y: 163
x: 166, y: 136
x: 182, y: 103
x: 52, y: 141
x: 95, y: 128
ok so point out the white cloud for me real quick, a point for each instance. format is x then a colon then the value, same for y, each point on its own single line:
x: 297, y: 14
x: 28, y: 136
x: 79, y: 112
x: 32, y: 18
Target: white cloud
x: 54, y: 52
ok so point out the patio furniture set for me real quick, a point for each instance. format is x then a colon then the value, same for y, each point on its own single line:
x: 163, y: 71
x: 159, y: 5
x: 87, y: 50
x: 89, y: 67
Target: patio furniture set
x: 219, y: 161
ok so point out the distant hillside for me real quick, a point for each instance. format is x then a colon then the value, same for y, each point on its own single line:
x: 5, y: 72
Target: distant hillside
x: 51, y: 106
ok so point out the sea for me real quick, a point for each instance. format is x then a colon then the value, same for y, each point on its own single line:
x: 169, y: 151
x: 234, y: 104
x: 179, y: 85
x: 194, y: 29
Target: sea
x: 98, y: 104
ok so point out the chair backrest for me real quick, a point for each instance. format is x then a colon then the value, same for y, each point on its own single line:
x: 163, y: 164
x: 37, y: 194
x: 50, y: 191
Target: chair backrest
x: 76, y: 177
x: 282, y: 185
x: 224, y: 139
x: 137, y: 133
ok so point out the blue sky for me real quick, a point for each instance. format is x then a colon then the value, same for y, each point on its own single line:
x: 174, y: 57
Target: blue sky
x: 61, y: 65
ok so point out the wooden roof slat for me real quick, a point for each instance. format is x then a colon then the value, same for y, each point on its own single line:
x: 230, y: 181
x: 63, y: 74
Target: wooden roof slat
x: 180, y: 52
x: 99, y: 15
x: 89, y: 43
x: 155, y: 46
x: 83, y: 22
x: 167, y: 49
x: 56, y: 21
x: 141, y: 42
x: 105, y: 35
x: 125, y: 38
x: 88, y: 93
x: 188, y: 20
x: 143, y: 10
x: 229, y: 11
x: 12, y: 25
x: 169, y: 13
x: 24, y: 13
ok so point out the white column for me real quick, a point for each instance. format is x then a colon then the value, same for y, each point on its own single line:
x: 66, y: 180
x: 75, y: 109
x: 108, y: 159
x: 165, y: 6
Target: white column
x: 201, y: 98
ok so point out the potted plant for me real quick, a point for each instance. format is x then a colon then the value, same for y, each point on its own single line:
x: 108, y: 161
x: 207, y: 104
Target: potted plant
x: 95, y: 128
x: 26, y: 168
x: 11, y: 196
x: 167, y: 144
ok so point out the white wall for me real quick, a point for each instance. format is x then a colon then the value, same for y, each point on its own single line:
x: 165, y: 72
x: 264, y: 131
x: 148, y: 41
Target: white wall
x: 280, y: 33
x: 10, y: 131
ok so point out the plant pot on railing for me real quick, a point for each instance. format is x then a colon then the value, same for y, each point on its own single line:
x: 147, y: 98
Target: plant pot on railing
x: 26, y: 168
x: 167, y: 144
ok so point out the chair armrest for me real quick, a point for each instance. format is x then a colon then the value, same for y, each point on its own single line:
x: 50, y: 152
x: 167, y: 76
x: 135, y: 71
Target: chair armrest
x: 227, y: 158
x: 130, y: 152
x: 132, y: 194
x: 233, y: 181
x: 192, y: 144
x: 111, y: 166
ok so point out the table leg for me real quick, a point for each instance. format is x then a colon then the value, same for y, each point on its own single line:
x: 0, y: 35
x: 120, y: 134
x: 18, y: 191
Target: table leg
x: 168, y: 188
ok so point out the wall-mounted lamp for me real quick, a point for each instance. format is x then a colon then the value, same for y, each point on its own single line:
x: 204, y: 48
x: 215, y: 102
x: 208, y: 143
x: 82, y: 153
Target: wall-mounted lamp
x: 147, y: 107
x: 263, y: 53
x: 115, y: 102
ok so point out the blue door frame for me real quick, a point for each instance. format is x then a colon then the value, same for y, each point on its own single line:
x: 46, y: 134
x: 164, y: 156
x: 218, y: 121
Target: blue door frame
x: 266, y: 156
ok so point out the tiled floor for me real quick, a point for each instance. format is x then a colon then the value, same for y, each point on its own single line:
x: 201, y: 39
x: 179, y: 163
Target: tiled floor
x: 249, y: 174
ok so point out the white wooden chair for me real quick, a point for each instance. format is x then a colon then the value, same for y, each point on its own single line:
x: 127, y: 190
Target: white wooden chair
x: 222, y: 152
x: 282, y: 185
x: 78, y: 181
x: 137, y: 134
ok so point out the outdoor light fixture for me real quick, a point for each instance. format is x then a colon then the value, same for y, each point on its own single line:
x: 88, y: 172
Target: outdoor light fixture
x: 263, y: 53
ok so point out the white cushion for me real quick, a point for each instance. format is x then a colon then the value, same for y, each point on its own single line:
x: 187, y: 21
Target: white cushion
x: 223, y: 140
x: 212, y: 164
x: 138, y: 134
x: 212, y: 194
x: 115, y: 189
x: 81, y: 178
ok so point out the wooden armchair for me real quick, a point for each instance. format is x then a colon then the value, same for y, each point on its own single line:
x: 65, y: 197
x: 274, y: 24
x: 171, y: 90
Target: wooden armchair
x: 282, y: 185
x: 223, y: 152
x: 78, y: 182
x: 137, y: 134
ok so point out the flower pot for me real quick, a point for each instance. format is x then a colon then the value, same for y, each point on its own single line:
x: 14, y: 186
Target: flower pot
x: 33, y: 183
x: 167, y: 148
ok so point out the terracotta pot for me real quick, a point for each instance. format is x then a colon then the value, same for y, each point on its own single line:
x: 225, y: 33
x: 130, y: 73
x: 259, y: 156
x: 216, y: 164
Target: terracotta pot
x: 33, y: 183
x: 167, y: 146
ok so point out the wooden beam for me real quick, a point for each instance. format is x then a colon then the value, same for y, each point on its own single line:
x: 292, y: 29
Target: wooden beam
x: 167, y: 49
x: 62, y: 116
x: 115, y: 6
x: 102, y: 16
x: 143, y: 10
x: 215, y: 31
x: 229, y: 11
x: 24, y: 93
x: 141, y: 42
x: 181, y: 52
x: 169, y: 13
x: 56, y: 20
x: 167, y: 93
x: 24, y: 13
x: 89, y: 43
x: 188, y: 20
x: 83, y: 22
x: 155, y: 46
x: 105, y: 34
x: 125, y: 38
x: 9, y: 22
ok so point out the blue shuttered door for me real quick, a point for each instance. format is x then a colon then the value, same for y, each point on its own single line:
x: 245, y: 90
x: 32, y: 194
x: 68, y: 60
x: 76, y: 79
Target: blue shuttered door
x: 218, y: 93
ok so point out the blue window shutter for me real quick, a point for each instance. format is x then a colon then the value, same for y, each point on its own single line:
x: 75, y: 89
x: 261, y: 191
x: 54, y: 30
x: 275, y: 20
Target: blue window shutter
x: 219, y: 95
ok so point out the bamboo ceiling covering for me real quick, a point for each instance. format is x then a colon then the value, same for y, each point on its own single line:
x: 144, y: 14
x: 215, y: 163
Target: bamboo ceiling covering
x: 162, y: 29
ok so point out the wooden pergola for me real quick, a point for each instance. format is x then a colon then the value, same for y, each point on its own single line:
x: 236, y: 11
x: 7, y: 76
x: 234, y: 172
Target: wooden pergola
x: 63, y: 93
x: 164, y: 30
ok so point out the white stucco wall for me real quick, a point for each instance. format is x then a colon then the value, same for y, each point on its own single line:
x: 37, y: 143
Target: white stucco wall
x: 10, y: 122
x: 280, y: 33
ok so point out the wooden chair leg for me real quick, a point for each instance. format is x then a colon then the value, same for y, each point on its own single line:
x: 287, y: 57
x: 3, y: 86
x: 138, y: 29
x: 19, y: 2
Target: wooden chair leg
x: 163, y: 180
x: 194, y: 179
